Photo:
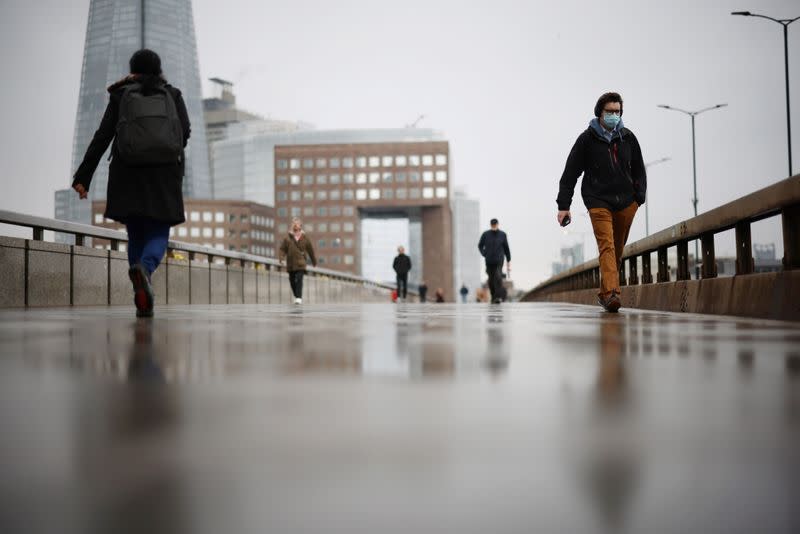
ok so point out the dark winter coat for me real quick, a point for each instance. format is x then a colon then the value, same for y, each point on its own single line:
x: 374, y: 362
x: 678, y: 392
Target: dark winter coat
x: 153, y: 192
x: 493, y: 245
x: 402, y: 264
x: 613, y: 172
x: 295, y: 252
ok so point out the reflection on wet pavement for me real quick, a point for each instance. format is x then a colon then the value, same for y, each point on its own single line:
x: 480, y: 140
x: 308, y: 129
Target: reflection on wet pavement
x: 409, y: 418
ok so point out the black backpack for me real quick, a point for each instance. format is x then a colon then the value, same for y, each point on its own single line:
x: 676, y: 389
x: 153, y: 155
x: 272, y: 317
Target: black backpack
x: 149, y: 131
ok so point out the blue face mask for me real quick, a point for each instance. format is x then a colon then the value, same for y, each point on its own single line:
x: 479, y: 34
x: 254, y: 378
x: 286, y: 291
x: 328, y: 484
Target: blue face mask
x: 611, y: 120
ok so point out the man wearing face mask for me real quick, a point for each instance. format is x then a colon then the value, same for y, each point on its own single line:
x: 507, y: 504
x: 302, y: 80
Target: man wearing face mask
x: 614, y: 186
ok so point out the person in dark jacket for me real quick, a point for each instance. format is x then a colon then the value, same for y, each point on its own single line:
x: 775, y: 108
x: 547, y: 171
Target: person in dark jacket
x: 463, y: 292
x: 614, y: 186
x: 146, y: 199
x: 493, y: 246
x: 294, y: 249
x: 401, y: 266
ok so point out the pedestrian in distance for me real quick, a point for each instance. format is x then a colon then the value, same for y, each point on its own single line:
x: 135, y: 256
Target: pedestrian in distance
x: 614, y: 185
x: 440, y: 295
x: 295, y: 248
x: 423, y: 291
x: 494, y: 248
x: 401, y: 266
x: 147, y: 121
x: 463, y: 292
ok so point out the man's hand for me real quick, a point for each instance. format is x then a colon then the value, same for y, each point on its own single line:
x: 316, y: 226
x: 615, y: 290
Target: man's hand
x: 562, y: 214
x: 82, y: 192
x: 508, y: 269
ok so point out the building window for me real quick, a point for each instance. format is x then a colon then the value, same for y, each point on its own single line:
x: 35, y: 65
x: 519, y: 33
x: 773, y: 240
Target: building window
x: 219, y: 246
x: 374, y: 177
x: 232, y: 218
x: 321, y: 260
x: 334, y: 179
x: 348, y: 243
x: 347, y: 163
x: 98, y: 218
x: 361, y: 194
x: 400, y: 161
x: 195, y: 216
x: 207, y: 232
x: 219, y: 217
x: 427, y: 192
x: 322, y: 195
x: 334, y: 163
x: 283, y: 164
x: 334, y: 211
x: 282, y: 196
x: 244, y: 235
x: 413, y: 176
x: 322, y: 179
x: 208, y: 216
x: 361, y: 162
x: 347, y: 178
x: 322, y: 243
x: 283, y: 179
x: 388, y: 194
x: 322, y: 211
x: 283, y: 212
x: 387, y: 161
x: 322, y: 163
x: 413, y: 161
x: 400, y: 177
x: 295, y: 211
x: 219, y: 233
x: 309, y: 227
x: 402, y: 194
x: 374, y: 161
x: 441, y: 192
x: 335, y: 194
x: 374, y: 194
x: 348, y: 259
x: 283, y: 228
x: 294, y: 163
x: 427, y: 176
x: 347, y: 194
x: 348, y: 227
x: 322, y: 228
x: 308, y: 179
x: 413, y: 192
x: 441, y: 159
x: 308, y: 163
x: 308, y: 212
x: 295, y: 196
x: 295, y: 179
x: 348, y: 211
x: 308, y: 195
x: 388, y: 177
x: 181, y: 231
x: 336, y: 227
x: 194, y: 232
x: 441, y: 176
x: 427, y: 160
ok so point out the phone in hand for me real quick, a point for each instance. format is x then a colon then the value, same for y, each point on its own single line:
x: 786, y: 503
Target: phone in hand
x: 566, y: 220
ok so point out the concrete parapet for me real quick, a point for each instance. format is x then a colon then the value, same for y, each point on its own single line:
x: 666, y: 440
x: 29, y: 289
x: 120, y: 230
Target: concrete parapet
x: 119, y: 285
x: 235, y: 284
x: 89, y: 276
x: 178, y: 280
x: 12, y: 260
x: 48, y: 274
x: 218, y: 283
x: 199, y: 273
x: 249, y: 285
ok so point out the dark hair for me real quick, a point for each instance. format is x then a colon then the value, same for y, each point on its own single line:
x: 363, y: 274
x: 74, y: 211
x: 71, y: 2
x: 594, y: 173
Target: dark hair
x: 493, y: 222
x: 605, y: 99
x: 145, y: 61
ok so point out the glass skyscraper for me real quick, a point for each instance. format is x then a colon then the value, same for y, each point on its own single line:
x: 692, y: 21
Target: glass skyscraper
x: 116, y: 29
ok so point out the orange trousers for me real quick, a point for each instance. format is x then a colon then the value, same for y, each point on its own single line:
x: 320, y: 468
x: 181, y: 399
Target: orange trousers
x: 611, y: 229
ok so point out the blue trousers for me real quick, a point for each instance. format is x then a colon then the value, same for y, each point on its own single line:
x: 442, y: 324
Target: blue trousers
x: 147, y: 242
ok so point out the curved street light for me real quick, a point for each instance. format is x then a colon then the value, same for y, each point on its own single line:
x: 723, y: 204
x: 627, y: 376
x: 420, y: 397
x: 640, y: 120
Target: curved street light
x: 693, y: 114
x: 785, y: 23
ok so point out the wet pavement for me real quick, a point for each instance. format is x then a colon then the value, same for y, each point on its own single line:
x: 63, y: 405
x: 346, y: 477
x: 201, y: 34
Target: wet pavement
x: 409, y: 418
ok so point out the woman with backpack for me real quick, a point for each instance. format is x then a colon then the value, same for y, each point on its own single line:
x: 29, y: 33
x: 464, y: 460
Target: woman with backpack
x: 147, y: 121
x: 294, y: 249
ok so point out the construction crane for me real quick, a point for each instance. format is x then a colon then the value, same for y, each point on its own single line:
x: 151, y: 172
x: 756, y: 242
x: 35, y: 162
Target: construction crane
x: 414, y: 124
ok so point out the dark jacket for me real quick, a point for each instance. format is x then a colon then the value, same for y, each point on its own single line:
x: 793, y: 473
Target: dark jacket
x: 153, y: 192
x: 295, y: 252
x: 613, y: 172
x: 493, y: 246
x: 402, y: 264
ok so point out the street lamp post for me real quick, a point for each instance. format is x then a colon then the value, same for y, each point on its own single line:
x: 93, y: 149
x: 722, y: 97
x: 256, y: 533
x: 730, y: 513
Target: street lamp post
x: 785, y: 23
x: 647, y: 204
x: 693, y: 114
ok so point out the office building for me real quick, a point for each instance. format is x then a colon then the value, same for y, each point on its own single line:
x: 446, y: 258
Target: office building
x: 469, y: 264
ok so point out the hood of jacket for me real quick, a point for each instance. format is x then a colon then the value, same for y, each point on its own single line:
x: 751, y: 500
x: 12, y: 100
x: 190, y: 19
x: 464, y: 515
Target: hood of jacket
x: 136, y: 78
x: 597, y: 128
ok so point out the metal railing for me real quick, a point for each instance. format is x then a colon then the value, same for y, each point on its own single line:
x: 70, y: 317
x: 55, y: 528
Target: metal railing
x: 782, y: 198
x: 82, y: 231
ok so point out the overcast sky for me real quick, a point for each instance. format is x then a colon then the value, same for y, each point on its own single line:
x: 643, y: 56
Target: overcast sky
x: 511, y: 83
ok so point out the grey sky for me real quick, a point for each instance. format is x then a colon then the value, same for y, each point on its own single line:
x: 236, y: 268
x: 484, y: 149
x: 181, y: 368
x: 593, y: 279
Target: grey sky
x: 511, y: 83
